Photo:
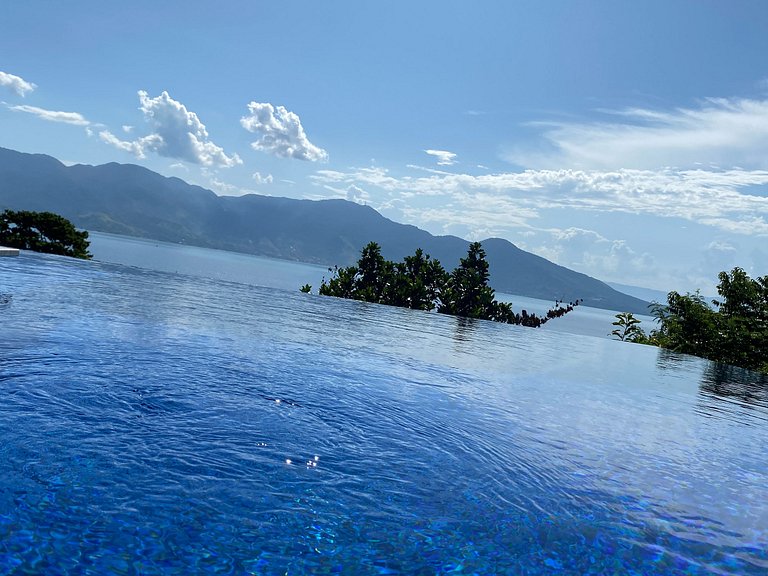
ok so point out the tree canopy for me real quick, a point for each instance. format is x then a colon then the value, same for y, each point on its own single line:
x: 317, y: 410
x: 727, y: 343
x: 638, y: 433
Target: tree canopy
x: 42, y: 232
x: 467, y: 292
x: 733, y: 330
x: 420, y: 282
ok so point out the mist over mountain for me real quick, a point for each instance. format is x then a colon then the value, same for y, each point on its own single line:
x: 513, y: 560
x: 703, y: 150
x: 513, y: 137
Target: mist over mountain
x: 134, y: 201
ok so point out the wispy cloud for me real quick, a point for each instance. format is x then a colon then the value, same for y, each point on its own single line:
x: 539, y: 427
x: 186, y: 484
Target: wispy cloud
x: 589, y: 250
x: 176, y: 133
x: 721, y: 199
x: 226, y: 189
x: 720, y: 132
x: 444, y: 158
x: 16, y: 84
x: 705, y: 165
x: 280, y: 133
x: 429, y: 170
x: 357, y: 194
x: 52, y: 115
x: 136, y: 147
x: 221, y: 187
x: 352, y: 193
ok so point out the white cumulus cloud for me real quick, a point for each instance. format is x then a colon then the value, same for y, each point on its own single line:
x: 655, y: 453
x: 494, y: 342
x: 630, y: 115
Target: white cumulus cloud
x: 261, y: 178
x: 182, y: 134
x: 280, y: 133
x: 53, y: 115
x: 175, y: 133
x: 16, y: 84
x: 444, y: 158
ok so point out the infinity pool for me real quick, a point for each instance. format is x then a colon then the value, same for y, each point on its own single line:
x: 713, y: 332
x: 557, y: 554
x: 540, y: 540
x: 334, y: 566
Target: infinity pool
x: 155, y: 423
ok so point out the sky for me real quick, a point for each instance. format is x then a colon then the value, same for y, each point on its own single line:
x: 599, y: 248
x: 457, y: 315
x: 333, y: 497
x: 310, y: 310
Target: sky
x: 626, y: 140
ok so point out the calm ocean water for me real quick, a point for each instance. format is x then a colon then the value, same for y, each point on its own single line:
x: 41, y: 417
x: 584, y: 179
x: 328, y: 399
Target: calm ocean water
x: 260, y: 271
x: 161, y: 423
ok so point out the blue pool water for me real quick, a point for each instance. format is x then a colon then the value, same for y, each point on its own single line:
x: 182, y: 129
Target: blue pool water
x: 157, y: 423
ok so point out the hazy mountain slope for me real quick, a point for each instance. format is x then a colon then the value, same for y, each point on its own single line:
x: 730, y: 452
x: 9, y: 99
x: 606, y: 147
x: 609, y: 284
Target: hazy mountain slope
x: 129, y: 199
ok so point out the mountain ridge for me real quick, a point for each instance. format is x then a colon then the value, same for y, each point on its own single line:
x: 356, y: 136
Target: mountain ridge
x: 132, y: 200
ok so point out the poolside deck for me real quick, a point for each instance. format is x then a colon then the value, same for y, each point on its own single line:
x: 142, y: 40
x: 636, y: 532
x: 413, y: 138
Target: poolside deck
x: 8, y: 251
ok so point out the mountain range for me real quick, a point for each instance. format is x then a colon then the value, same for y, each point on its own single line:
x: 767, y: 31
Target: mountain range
x: 134, y: 201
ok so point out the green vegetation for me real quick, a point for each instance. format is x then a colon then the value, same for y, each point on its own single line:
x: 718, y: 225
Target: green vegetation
x: 421, y: 283
x: 42, y: 232
x: 627, y: 329
x: 734, y: 330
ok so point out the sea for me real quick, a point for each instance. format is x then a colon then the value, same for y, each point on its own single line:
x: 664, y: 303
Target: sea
x: 291, y: 275
x: 171, y: 410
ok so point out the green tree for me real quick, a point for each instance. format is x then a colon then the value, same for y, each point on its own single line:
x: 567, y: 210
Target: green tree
x: 43, y: 232
x: 417, y: 282
x: 374, y: 275
x: 687, y: 324
x: 734, y: 330
x: 414, y: 283
x: 369, y: 280
x: 467, y: 292
x: 421, y: 283
x: 743, y: 320
x: 341, y: 283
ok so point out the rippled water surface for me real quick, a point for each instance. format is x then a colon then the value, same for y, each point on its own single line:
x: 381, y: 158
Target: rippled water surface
x: 156, y: 423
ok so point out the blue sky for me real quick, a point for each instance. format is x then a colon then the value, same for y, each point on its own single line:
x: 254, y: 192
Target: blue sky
x: 627, y: 140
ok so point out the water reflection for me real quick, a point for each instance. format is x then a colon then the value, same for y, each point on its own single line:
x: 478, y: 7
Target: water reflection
x: 464, y: 328
x: 463, y: 334
x: 724, y: 382
x: 667, y: 360
x: 724, y: 390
